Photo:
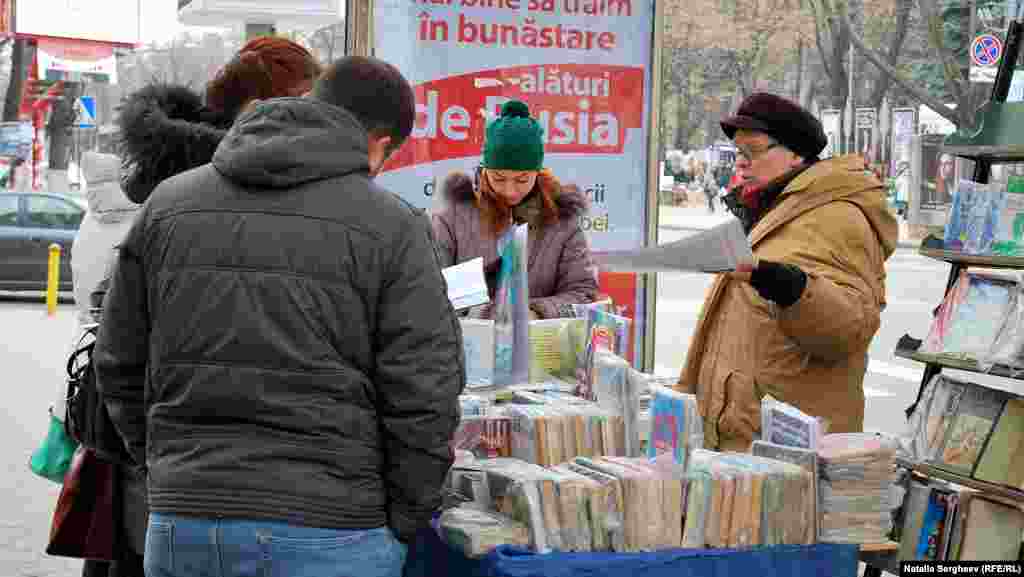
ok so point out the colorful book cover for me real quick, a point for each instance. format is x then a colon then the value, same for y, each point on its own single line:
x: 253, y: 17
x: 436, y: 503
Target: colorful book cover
x: 512, y: 310
x: 669, y: 425
x: 974, y: 217
x: 971, y: 316
x: 928, y: 543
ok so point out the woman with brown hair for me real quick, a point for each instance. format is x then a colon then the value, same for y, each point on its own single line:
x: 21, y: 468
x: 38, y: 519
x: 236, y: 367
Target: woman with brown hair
x: 165, y: 130
x: 513, y: 187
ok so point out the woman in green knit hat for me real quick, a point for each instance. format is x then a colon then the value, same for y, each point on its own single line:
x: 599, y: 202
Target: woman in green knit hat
x: 513, y: 187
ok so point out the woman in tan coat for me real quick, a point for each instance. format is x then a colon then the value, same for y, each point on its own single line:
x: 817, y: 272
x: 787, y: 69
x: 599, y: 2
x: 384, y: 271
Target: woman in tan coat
x: 797, y: 325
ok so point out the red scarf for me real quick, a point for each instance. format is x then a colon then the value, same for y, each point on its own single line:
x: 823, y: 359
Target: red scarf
x: 750, y: 196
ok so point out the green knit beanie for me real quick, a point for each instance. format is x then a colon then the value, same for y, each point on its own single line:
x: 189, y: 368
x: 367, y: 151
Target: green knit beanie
x: 515, y: 140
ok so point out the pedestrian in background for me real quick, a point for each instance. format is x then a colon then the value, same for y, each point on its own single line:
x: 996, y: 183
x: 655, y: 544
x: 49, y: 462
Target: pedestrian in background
x: 710, y: 186
x: 164, y: 130
x: 797, y: 324
x: 280, y: 345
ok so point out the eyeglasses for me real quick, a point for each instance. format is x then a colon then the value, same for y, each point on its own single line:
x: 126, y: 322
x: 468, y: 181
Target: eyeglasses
x: 750, y: 155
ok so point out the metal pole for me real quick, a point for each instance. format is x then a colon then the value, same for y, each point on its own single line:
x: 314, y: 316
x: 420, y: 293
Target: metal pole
x: 850, y: 140
x: 650, y: 280
x: 359, y: 27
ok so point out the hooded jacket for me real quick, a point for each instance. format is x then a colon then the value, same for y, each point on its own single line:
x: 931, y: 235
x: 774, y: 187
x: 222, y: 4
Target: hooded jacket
x: 832, y: 221
x: 302, y: 360
x: 164, y: 130
x: 561, y: 272
x: 106, y: 222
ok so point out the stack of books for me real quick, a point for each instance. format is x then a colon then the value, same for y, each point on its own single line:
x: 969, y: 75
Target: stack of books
x: 807, y: 460
x: 587, y: 504
x: 857, y: 470
x: 476, y: 532
x: 555, y: 433
x: 741, y: 500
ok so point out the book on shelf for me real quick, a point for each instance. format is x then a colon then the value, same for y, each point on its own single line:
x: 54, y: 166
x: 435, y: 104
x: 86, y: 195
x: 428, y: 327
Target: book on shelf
x: 932, y: 528
x: 986, y: 219
x: 930, y: 510
x: 971, y: 420
x: 988, y: 530
x: 1002, y: 461
x: 971, y: 316
x: 970, y: 430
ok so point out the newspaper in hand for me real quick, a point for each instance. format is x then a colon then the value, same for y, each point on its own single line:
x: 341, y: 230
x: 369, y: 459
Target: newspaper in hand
x: 719, y: 249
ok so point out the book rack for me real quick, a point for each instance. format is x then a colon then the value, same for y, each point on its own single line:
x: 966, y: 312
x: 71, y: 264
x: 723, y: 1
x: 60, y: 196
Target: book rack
x: 1000, y: 139
x: 959, y: 364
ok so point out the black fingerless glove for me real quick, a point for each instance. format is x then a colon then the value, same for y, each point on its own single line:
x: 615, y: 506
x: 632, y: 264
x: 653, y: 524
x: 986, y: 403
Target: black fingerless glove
x: 491, y: 276
x: 783, y: 284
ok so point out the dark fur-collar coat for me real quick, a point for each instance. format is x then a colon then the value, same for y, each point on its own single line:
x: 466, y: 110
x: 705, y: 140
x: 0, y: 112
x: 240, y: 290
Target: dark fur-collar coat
x: 561, y: 271
x: 164, y: 130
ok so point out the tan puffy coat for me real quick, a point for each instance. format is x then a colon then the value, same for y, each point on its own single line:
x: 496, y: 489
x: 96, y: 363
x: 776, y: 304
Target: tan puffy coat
x: 833, y: 222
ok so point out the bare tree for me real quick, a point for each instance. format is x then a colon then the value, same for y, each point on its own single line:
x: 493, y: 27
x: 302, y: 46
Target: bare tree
x: 953, y: 59
x: 16, y: 81
x: 720, y: 49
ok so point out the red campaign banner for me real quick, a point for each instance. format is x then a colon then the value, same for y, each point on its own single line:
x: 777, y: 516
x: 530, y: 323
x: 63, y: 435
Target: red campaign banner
x: 583, y: 108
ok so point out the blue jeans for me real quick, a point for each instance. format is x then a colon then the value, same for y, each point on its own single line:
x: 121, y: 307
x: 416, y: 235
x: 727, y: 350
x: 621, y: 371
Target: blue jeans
x: 179, y: 546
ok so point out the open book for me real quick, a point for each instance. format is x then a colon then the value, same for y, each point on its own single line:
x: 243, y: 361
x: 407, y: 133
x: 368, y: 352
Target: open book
x: 467, y: 286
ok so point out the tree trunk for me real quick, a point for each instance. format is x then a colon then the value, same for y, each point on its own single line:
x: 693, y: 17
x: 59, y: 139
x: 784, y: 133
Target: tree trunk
x: 798, y: 85
x: 682, y: 122
x: 59, y: 127
x: 19, y: 69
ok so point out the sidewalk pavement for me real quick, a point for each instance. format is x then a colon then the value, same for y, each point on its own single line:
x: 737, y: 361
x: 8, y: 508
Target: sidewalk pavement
x: 694, y: 219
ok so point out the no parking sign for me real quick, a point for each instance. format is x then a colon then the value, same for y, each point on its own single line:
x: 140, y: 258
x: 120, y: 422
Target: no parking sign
x: 986, y: 50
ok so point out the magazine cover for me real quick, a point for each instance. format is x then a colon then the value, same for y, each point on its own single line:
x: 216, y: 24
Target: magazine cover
x: 970, y: 318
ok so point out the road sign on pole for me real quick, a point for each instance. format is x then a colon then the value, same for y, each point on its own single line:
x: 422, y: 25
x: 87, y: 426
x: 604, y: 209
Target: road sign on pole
x: 85, y: 112
x: 986, y: 51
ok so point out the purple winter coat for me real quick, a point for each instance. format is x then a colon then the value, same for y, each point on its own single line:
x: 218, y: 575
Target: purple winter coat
x: 560, y: 268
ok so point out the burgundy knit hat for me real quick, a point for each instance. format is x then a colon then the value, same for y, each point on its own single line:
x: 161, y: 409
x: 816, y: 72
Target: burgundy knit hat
x: 785, y: 121
x: 266, y: 67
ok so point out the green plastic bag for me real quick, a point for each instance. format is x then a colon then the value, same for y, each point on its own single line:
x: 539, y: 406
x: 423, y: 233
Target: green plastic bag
x: 53, y: 458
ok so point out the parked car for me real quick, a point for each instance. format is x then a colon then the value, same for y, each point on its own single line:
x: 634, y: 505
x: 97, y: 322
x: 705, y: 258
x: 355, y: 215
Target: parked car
x: 29, y: 223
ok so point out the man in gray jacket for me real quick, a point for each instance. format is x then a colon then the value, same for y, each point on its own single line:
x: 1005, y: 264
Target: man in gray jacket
x: 278, y: 347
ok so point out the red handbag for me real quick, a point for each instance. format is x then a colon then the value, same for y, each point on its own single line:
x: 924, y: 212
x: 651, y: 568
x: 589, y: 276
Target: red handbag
x: 86, y: 519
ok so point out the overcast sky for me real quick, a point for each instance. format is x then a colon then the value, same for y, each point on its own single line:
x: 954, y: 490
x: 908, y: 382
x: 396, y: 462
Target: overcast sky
x: 160, y: 21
